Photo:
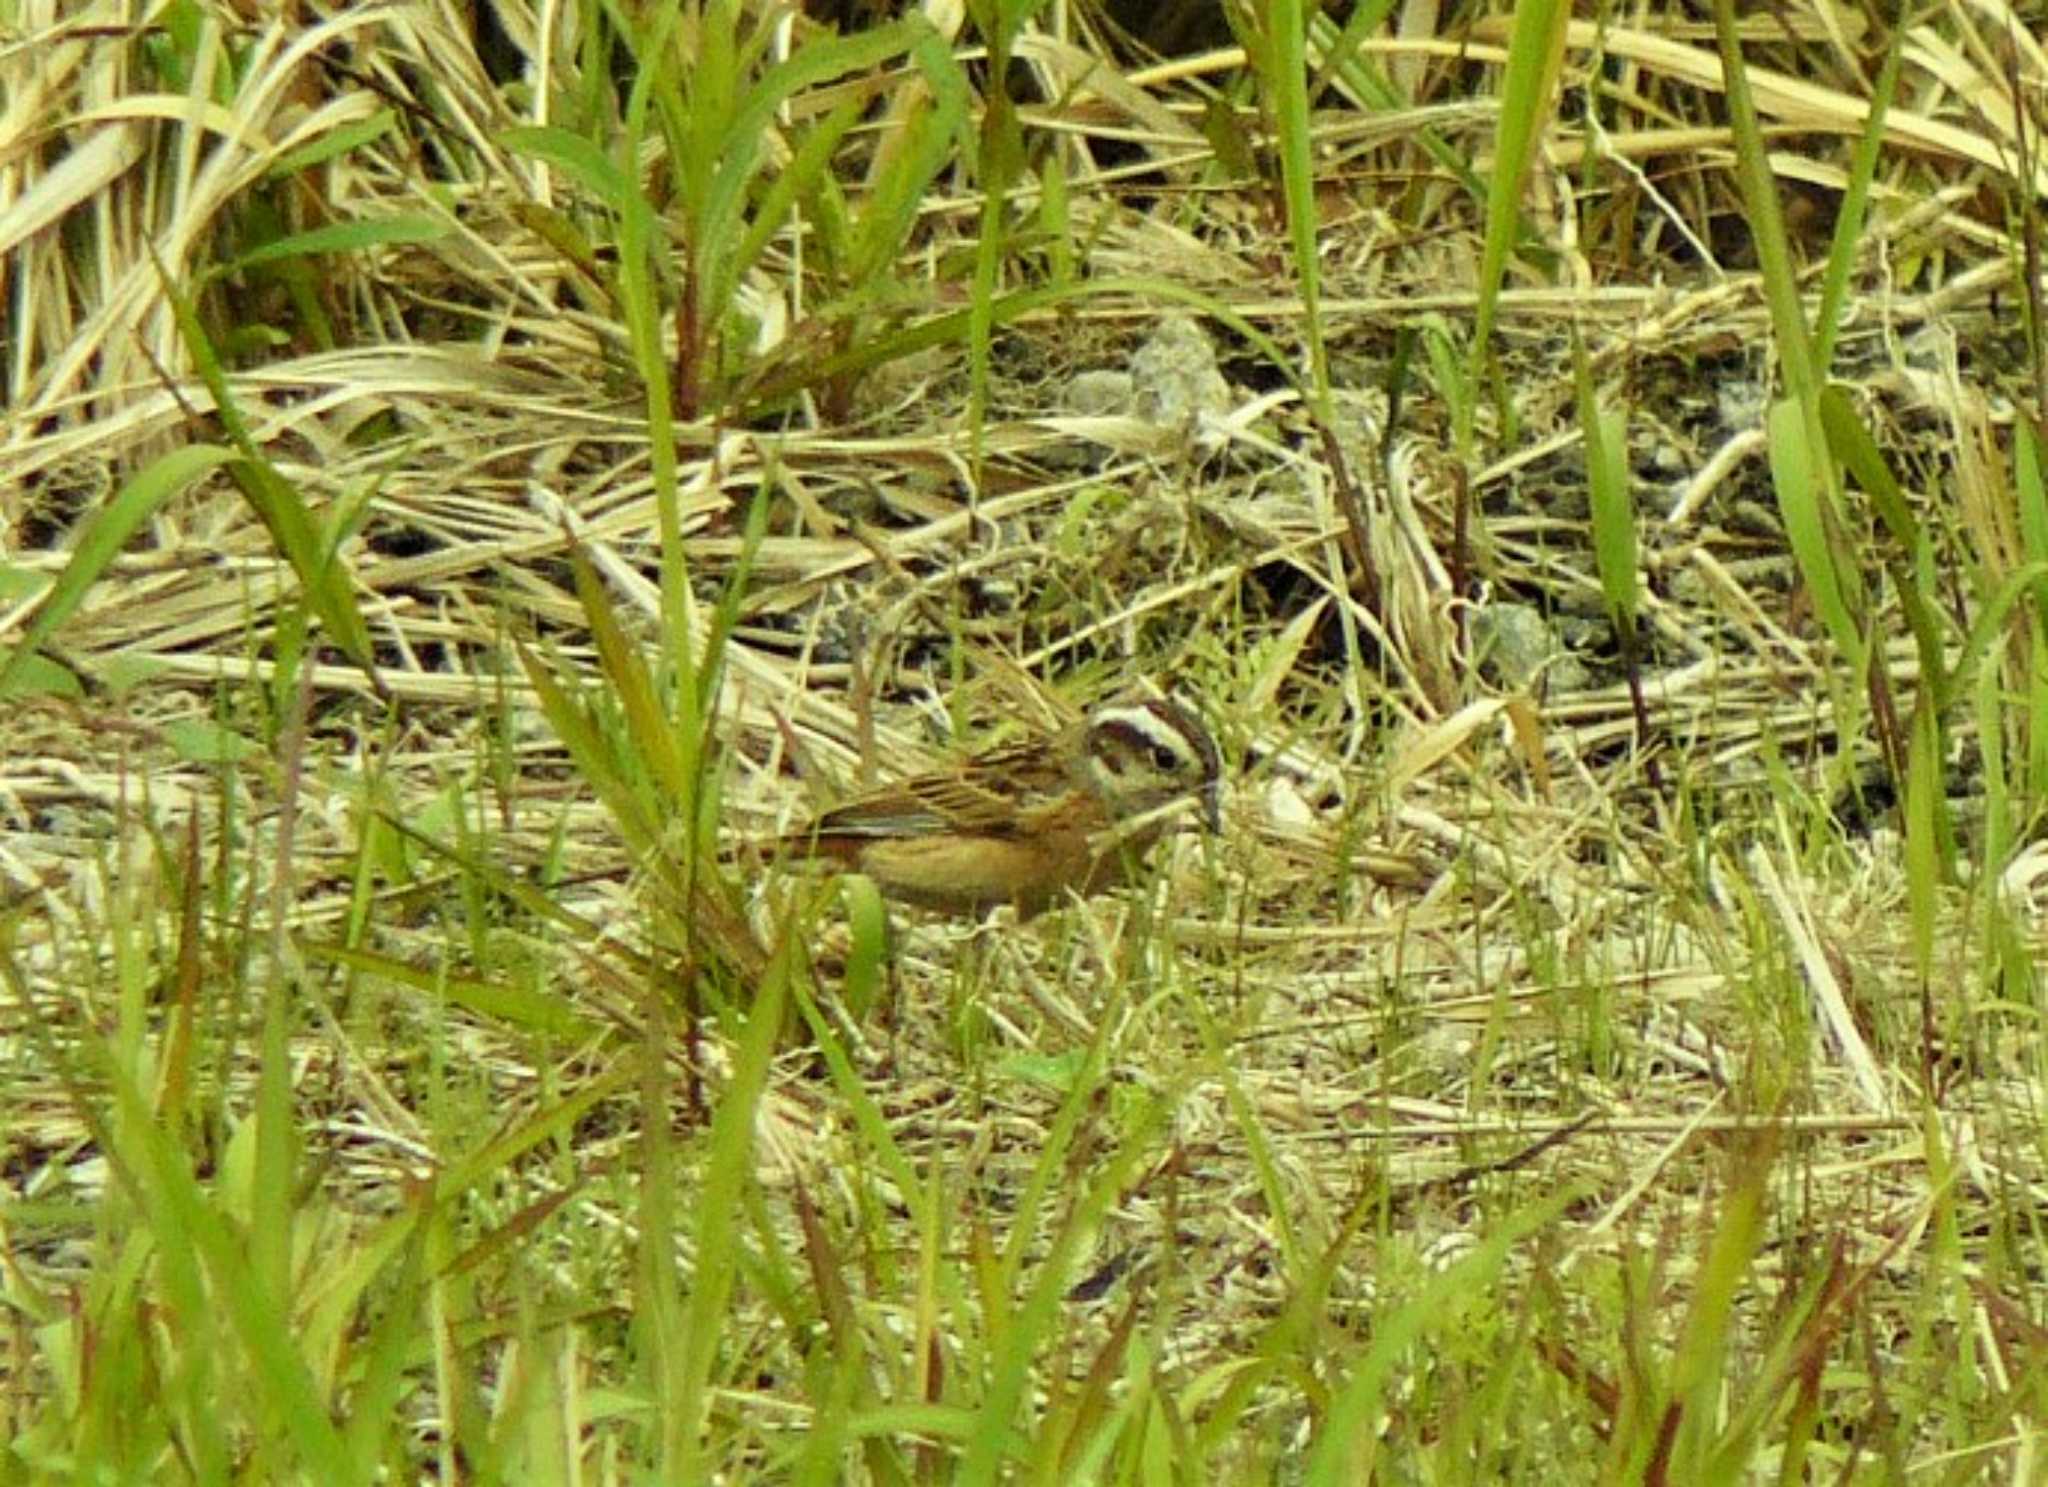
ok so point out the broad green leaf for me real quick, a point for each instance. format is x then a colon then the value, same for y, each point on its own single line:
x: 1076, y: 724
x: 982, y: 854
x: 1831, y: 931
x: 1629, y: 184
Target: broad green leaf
x: 1613, y: 513
x: 867, y: 955
x: 1796, y: 477
x: 202, y: 741
x: 1528, y: 97
x: 40, y: 676
x: 574, y: 156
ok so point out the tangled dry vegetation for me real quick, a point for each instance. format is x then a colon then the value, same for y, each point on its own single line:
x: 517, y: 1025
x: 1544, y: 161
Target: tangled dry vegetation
x: 1472, y: 936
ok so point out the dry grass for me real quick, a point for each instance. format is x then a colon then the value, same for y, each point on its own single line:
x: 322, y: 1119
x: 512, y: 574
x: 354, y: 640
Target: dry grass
x: 1507, y: 1085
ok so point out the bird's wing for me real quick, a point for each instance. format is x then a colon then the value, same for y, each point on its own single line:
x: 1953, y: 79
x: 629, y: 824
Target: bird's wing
x: 985, y: 797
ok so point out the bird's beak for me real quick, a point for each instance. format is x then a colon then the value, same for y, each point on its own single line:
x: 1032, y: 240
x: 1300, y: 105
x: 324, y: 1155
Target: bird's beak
x: 1212, y: 809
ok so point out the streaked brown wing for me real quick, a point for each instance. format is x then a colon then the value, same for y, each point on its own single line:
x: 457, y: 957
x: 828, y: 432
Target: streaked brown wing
x: 896, y: 811
x: 985, y: 797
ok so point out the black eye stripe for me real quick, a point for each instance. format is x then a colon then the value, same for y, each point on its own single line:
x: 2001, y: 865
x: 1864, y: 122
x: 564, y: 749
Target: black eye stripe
x: 1172, y: 740
x: 1121, y: 738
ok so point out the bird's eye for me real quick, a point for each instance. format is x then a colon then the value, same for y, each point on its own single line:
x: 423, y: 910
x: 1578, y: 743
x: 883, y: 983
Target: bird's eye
x: 1164, y: 759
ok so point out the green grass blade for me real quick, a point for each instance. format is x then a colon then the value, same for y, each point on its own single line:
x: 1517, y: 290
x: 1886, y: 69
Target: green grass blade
x: 1613, y: 512
x: 342, y: 237
x: 101, y: 537
x: 283, y: 513
x: 728, y: 1169
x: 1797, y: 465
x: 1527, y: 99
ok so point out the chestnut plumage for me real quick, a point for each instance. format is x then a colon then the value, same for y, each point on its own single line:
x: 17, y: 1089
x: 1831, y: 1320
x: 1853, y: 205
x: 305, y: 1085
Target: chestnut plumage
x: 1029, y: 823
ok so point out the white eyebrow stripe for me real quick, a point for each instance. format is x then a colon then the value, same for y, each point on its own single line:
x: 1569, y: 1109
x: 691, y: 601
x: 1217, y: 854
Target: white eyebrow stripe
x: 1146, y: 731
x: 1162, y: 724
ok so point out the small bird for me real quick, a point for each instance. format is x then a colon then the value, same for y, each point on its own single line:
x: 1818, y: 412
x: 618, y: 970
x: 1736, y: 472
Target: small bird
x: 1027, y: 823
